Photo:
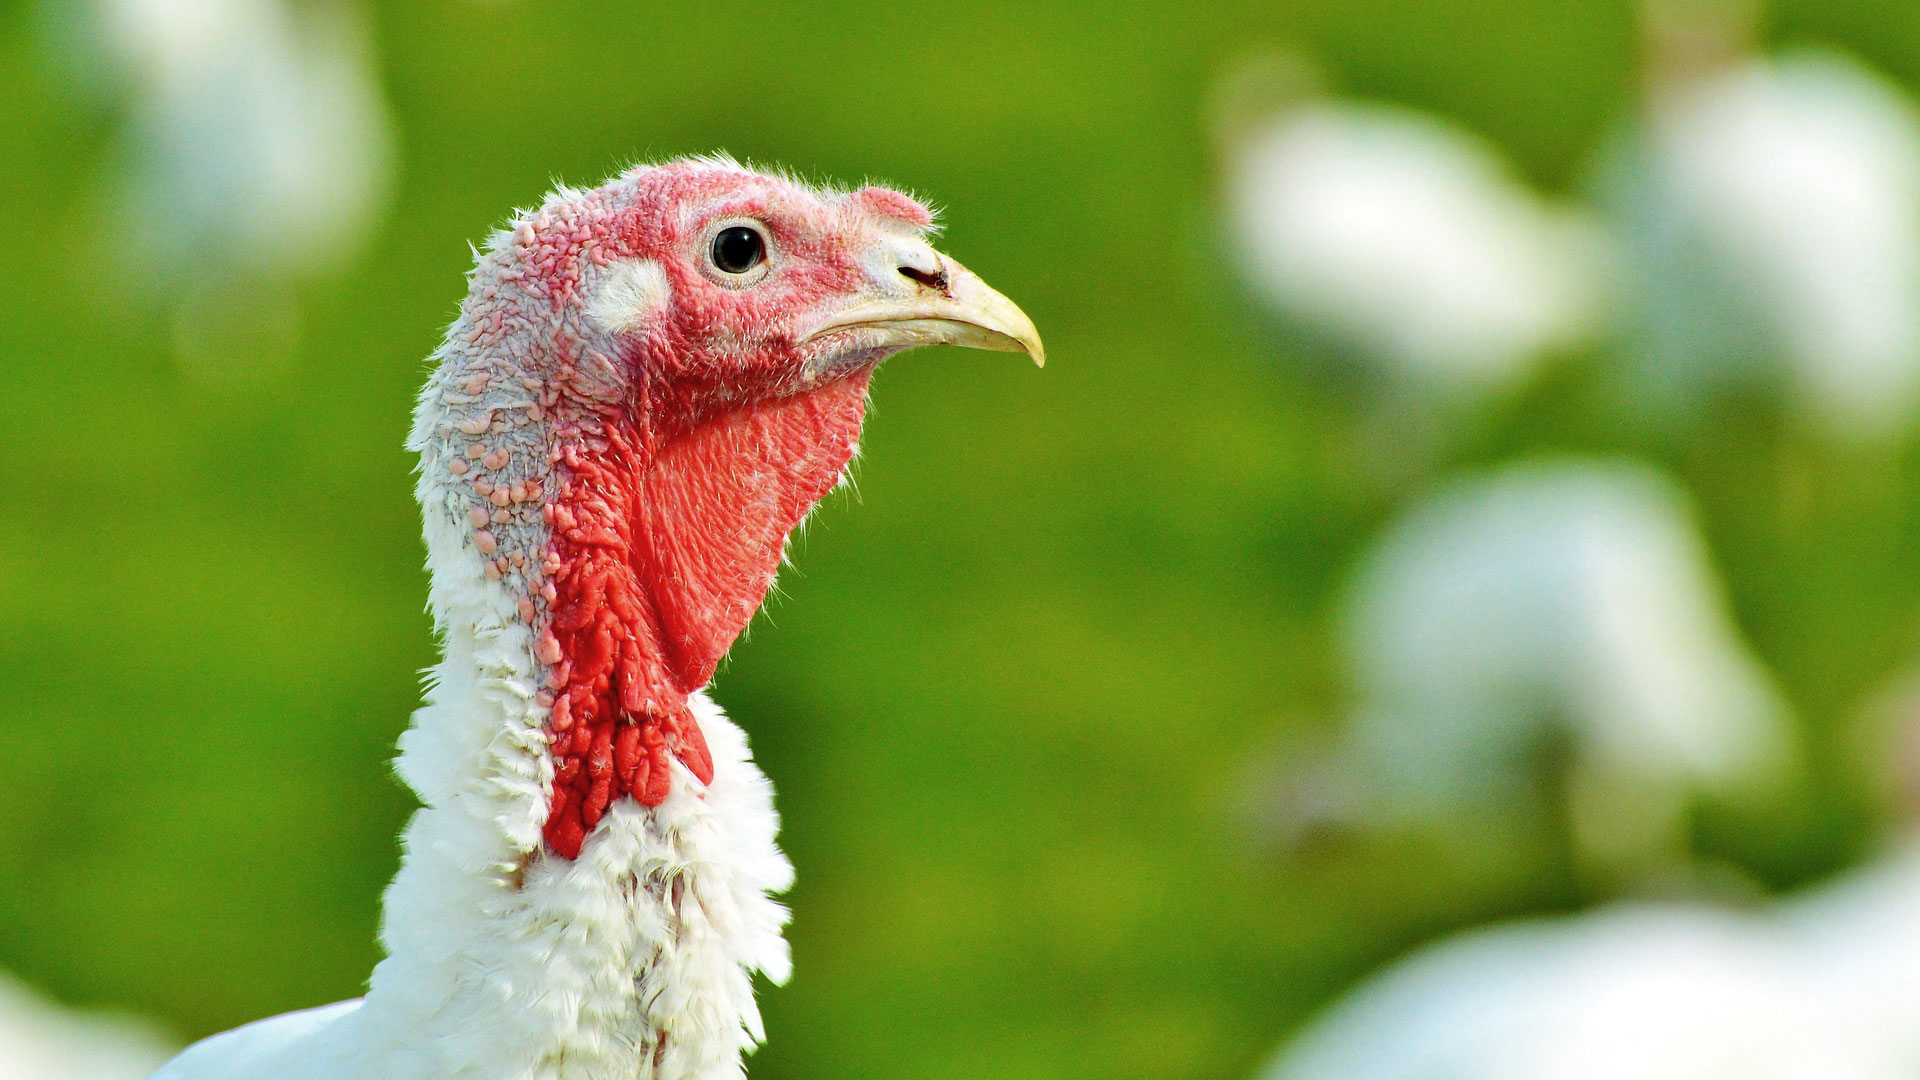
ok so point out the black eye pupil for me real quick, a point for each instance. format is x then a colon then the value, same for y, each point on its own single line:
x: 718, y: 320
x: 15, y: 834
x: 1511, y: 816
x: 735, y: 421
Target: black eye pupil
x: 738, y: 249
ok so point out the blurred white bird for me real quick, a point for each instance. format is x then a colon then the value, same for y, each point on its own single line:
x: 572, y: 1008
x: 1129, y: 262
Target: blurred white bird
x: 1404, y: 238
x: 1769, y: 222
x: 1823, y: 986
x: 42, y: 1040
x: 255, y: 152
x: 1564, y: 604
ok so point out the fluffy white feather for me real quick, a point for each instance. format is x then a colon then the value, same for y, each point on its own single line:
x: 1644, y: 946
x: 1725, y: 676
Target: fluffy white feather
x: 554, y: 969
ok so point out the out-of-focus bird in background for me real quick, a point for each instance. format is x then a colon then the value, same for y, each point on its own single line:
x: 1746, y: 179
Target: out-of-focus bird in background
x: 1825, y: 983
x: 253, y: 152
x: 43, y: 1040
x: 1767, y: 211
x: 649, y: 386
x: 1660, y: 992
x: 1822, y: 984
x: 1559, y: 606
x: 1399, y: 238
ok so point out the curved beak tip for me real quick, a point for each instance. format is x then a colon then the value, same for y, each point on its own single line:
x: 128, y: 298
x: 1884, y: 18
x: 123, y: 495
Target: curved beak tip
x: 1005, y: 326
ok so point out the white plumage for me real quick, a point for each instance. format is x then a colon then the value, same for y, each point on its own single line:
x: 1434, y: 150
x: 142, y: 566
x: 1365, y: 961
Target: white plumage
x: 1552, y: 604
x: 253, y: 153
x: 43, y: 1040
x: 1822, y: 987
x: 256, y: 138
x: 503, y: 996
x: 1769, y: 211
x: 1410, y: 241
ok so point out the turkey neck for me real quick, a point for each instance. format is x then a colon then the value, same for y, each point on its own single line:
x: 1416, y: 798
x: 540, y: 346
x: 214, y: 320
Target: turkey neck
x: 633, y: 953
x: 505, y: 960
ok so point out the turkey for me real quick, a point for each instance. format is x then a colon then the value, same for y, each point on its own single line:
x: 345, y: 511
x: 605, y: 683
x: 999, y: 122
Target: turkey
x: 44, y: 1040
x: 1400, y: 237
x: 254, y: 153
x: 1768, y: 210
x: 649, y: 385
x: 1818, y: 984
x: 1653, y: 992
x: 1820, y: 987
x: 1553, y: 606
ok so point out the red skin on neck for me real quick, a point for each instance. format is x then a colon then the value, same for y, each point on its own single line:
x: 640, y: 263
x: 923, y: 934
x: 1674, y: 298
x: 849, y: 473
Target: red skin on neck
x: 665, y: 540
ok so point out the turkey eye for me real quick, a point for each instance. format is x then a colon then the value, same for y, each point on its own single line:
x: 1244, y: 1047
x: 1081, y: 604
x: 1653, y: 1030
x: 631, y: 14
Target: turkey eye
x: 738, y: 249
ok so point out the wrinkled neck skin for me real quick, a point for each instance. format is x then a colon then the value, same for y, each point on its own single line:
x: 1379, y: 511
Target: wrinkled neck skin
x: 507, y: 958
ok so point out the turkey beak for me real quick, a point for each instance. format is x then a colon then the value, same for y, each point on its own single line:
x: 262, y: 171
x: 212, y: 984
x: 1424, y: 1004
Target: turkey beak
x: 978, y: 317
x: 950, y: 305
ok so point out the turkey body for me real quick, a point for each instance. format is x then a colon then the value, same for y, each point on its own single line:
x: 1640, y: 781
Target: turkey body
x: 1820, y: 986
x: 42, y: 1040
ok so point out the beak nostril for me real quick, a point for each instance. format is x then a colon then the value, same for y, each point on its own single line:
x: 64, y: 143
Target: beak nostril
x: 936, y: 280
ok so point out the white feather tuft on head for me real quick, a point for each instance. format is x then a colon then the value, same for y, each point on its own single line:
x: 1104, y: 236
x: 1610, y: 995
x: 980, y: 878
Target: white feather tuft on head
x: 631, y: 292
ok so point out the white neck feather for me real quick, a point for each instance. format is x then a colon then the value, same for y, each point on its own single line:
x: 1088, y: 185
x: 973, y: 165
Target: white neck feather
x: 634, y: 960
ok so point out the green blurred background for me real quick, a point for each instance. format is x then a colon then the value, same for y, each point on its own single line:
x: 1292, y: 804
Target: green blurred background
x: 1012, y: 693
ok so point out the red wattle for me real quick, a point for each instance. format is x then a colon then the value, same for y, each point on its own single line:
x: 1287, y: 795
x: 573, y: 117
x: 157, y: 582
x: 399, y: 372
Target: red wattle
x: 661, y: 551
